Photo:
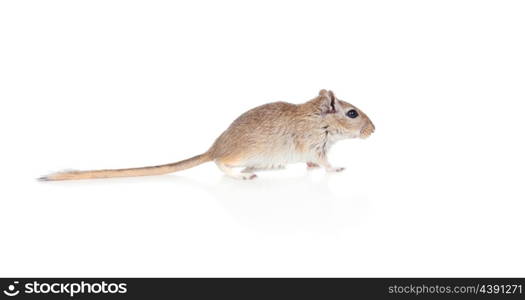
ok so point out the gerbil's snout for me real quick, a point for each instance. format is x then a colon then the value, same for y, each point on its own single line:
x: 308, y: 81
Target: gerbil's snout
x: 367, y: 130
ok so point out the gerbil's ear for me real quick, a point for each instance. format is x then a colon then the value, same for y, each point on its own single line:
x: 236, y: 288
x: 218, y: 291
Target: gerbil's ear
x: 328, y: 102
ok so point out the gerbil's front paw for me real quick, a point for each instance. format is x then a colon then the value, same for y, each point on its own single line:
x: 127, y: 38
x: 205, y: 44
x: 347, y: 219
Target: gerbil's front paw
x: 335, y: 169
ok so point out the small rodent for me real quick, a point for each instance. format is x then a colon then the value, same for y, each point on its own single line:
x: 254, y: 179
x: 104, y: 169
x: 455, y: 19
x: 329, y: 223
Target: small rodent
x: 266, y: 137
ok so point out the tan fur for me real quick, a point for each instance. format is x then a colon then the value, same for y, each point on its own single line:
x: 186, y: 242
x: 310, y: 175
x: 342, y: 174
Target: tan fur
x: 266, y: 137
x: 144, y: 171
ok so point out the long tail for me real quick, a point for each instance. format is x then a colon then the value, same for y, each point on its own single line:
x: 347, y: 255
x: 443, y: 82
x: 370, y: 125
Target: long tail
x: 144, y: 171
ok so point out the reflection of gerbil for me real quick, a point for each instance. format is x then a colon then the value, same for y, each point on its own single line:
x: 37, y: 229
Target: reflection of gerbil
x: 266, y: 137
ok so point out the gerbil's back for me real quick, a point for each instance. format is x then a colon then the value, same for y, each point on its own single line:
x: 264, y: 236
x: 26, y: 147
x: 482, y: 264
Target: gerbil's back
x: 256, y: 129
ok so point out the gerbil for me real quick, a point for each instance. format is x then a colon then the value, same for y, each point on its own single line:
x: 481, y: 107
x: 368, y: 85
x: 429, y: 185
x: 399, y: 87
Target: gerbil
x: 266, y: 137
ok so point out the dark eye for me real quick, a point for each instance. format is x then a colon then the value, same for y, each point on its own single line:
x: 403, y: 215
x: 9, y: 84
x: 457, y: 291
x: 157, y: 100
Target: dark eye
x: 352, y: 113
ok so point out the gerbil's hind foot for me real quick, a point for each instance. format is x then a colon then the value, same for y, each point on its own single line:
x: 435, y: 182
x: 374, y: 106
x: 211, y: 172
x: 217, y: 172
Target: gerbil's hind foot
x: 335, y: 169
x: 248, y: 176
x: 244, y: 175
x: 267, y: 168
x: 311, y: 165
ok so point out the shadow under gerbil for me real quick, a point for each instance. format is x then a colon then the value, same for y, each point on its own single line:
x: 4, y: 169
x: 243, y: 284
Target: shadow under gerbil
x: 275, y: 205
x: 288, y: 205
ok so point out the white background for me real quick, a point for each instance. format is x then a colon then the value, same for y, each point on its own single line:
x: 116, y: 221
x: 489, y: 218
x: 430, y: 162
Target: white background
x: 436, y: 191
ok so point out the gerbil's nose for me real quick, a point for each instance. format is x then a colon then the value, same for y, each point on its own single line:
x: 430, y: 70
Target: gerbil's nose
x: 367, y: 130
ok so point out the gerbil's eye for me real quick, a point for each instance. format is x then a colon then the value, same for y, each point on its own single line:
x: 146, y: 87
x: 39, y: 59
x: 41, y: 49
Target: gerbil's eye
x: 352, y: 113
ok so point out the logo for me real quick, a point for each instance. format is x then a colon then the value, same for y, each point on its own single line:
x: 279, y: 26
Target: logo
x: 11, y: 290
x: 66, y: 288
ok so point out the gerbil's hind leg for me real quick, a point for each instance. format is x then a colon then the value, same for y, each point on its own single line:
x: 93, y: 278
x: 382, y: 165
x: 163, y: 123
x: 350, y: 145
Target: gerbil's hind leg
x: 233, y: 174
x: 249, y: 170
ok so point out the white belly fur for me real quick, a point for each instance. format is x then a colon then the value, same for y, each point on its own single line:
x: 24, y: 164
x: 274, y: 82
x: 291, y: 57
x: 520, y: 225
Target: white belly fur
x: 277, y: 159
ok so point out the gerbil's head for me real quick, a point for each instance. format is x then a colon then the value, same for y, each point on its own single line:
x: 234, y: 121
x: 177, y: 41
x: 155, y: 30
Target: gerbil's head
x: 346, y: 120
